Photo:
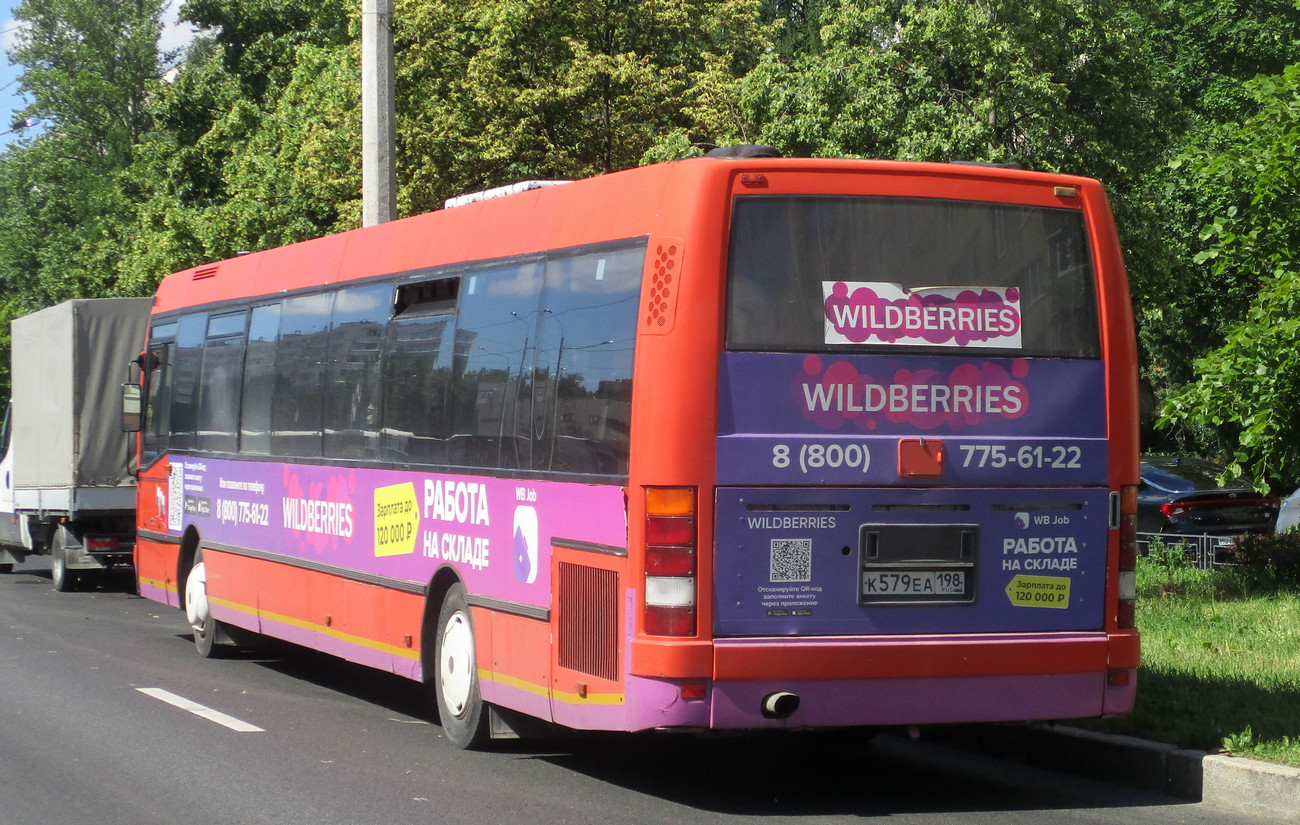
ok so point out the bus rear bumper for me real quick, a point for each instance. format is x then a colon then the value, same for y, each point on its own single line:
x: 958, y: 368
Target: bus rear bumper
x: 782, y: 683
x: 927, y: 701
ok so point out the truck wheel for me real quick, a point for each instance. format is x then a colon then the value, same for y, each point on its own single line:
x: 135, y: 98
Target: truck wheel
x: 65, y: 580
x: 199, y: 612
x: 455, y: 680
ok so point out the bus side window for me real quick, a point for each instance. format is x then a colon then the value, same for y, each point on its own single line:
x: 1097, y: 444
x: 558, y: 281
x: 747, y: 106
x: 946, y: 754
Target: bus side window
x: 296, y: 405
x: 353, y: 384
x: 259, y: 380
x: 219, y: 385
x: 417, y: 373
x: 187, y: 361
x: 582, y: 395
x: 492, y: 369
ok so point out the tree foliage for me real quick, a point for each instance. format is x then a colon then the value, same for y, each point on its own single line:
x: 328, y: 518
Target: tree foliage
x: 231, y: 164
x: 88, y: 66
x: 1208, y: 51
x: 520, y: 89
x: 1252, y: 382
x: 1054, y: 84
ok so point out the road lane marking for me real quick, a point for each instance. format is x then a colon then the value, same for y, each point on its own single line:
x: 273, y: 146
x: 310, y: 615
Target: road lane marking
x: 201, y: 710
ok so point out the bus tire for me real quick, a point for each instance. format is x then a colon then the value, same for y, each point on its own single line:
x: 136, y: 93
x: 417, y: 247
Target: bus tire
x: 198, y: 611
x: 6, y: 568
x: 455, y: 677
x: 64, y: 580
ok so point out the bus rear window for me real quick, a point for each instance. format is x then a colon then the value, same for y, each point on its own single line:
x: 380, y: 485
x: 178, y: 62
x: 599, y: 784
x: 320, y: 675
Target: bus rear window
x: 832, y: 273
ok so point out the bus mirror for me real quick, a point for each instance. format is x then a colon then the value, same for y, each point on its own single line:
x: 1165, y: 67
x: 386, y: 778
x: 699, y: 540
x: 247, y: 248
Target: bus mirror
x: 132, y: 409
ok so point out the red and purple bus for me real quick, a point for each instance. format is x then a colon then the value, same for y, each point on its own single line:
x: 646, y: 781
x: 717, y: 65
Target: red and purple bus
x: 724, y: 443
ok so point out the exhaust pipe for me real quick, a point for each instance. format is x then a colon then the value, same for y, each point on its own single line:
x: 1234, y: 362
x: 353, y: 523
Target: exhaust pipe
x: 780, y: 705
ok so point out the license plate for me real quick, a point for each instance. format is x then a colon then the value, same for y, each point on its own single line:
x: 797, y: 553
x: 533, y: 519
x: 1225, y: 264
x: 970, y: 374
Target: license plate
x: 913, y: 584
x: 917, y: 564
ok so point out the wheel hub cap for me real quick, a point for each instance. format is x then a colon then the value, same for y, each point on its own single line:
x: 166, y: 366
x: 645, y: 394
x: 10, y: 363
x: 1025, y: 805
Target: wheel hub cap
x: 456, y: 664
x: 197, y: 610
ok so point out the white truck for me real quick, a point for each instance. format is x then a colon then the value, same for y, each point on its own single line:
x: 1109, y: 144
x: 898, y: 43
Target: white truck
x: 66, y: 486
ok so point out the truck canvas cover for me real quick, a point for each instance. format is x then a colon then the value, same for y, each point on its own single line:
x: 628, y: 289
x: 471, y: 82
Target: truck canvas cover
x: 68, y: 365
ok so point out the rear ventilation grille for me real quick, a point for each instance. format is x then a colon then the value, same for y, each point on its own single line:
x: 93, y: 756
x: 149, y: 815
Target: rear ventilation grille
x: 205, y: 272
x: 589, y: 621
x: 661, y: 304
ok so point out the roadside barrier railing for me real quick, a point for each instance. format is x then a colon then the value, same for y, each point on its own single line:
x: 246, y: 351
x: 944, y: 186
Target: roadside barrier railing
x: 1202, y: 551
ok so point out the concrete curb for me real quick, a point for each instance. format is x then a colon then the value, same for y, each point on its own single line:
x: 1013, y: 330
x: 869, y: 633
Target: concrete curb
x: 1228, y: 782
x: 1251, y: 786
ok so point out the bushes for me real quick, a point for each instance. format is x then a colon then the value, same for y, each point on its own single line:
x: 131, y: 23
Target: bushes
x: 1268, y: 559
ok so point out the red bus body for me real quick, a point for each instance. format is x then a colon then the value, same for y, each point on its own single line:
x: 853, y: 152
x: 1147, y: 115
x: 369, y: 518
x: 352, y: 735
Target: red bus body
x: 292, y: 547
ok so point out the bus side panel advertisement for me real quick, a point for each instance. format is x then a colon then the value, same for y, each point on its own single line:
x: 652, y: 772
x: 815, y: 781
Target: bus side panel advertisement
x: 400, y: 525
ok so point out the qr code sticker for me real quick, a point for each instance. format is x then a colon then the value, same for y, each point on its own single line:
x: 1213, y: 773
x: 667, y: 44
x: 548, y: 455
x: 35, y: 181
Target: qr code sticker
x: 791, y: 560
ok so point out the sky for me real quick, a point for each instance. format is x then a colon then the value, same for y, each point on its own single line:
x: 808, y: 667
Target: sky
x: 174, y: 35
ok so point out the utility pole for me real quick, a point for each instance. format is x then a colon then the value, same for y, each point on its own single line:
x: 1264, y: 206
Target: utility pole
x: 378, y: 114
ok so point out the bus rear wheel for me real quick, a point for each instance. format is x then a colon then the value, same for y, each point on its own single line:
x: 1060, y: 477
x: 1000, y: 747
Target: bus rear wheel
x: 455, y: 680
x: 198, y: 611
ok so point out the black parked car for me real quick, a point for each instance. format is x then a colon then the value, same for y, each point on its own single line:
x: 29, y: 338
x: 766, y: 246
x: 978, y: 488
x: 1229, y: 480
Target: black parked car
x: 1182, y: 495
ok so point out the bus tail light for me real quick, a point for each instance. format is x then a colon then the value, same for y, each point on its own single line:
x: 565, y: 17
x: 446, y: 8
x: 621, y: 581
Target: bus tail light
x: 1128, y: 556
x: 670, y: 561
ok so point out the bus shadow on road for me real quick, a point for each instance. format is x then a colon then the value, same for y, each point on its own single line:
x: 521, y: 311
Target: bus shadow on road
x: 397, y: 694
x: 831, y: 773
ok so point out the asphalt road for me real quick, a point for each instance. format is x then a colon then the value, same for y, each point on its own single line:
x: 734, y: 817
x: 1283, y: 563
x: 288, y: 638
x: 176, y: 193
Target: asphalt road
x: 108, y: 717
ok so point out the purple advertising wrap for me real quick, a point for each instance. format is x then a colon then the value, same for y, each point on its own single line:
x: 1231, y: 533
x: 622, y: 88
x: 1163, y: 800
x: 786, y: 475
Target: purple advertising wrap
x: 788, y: 418
x: 399, y: 525
x: 878, y: 494
x: 803, y: 562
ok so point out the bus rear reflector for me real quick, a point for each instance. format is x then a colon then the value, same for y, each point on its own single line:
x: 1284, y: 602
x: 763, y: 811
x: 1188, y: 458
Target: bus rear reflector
x: 694, y: 691
x: 670, y: 621
x: 670, y: 569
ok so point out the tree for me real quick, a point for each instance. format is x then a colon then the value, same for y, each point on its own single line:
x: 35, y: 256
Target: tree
x: 88, y: 66
x: 518, y: 89
x: 1054, y: 84
x: 1207, y: 51
x: 299, y: 175
x: 259, y: 38
x: 248, y: 140
x: 1251, y: 384
x: 798, y: 24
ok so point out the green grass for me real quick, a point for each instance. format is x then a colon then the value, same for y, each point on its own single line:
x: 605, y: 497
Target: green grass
x: 1220, y: 663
